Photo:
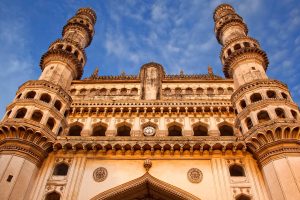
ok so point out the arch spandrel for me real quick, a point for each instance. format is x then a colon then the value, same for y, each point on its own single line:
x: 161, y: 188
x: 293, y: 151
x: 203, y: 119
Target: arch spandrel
x: 145, y: 185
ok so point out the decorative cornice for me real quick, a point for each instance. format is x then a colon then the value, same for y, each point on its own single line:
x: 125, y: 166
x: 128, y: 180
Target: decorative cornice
x: 24, y: 141
x: 64, y: 56
x: 108, y: 144
x: 244, y: 53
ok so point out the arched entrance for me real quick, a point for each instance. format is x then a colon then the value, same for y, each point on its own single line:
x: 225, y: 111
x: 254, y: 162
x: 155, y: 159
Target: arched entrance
x: 146, y: 187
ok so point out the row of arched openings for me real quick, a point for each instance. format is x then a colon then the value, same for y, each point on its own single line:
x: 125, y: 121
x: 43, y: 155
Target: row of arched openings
x: 199, y: 91
x: 263, y: 116
x: 174, y: 130
x: 271, y: 94
x: 44, y: 97
x: 37, y: 116
x: 104, y: 91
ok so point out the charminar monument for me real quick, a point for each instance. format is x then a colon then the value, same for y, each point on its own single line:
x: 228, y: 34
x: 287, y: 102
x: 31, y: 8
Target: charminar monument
x: 151, y: 136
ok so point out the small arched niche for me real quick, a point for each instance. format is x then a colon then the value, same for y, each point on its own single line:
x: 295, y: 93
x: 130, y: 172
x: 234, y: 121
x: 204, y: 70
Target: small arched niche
x: 37, y: 116
x: 61, y: 169
x: 45, y: 98
x: 75, y: 130
x: 30, y: 95
x: 236, y: 170
x: 280, y: 112
x: 174, y: 130
x: 21, y: 113
x: 200, y: 130
x: 123, y: 130
x: 52, y: 196
x: 255, y: 97
x: 226, y: 130
x: 263, y: 116
x: 243, y: 197
x: 99, y: 130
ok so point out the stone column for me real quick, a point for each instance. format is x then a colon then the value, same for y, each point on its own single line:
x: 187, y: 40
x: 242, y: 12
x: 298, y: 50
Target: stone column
x: 17, y: 175
x: 282, y: 177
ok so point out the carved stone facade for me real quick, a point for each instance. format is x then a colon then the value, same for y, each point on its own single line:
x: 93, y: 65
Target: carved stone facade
x: 151, y: 135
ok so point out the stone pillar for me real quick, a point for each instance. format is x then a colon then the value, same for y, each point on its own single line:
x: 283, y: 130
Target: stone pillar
x: 282, y: 177
x: 213, y: 129
x: 17, y: 175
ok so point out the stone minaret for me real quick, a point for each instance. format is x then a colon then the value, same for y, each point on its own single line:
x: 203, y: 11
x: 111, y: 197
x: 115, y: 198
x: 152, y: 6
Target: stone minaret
x: 38, y: 113
x: 267, y: 117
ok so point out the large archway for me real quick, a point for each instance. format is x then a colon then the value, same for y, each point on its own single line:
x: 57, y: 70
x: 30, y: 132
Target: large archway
x: 146, y: 187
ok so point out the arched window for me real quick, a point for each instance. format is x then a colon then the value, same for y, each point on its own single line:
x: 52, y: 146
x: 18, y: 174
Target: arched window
x: 243, y: 197
x: 255, y: 97
x: 21, y: 113
x: 226, y: 130
x: 236, y: 170
x: 82, y: 91
x: 271, y: 94
x: 284, y: 95
x: 45, y: 98
x: 30, y: 95
x: 37, y: 116
x: 236, y: 46
x: 60, y: 46
x: 69, y: 48
x: 263, y: 116
x: 167, y: 91
x: 249, y: 123
x: 123, y: 131
x: 73, y: 91
x: 189, y: 90
x: 113, y: 91
x: 178, y: 90
x: 175, y: 130
x: 246, y: 44
x: 199, y: 91
x: 75, y: 130
x: 61, y: 169
x: 280, y: 112
x: 123, y: 91
x: 230, y: 90
x: 210, y: 91
x: 52, y: 196
x: 200, y: 130
x: 103, y: 91
x: 51, y: 123
x: 243, y: 104
x: 294, y: 113
x: 76, y: 53
x: 57, y: 105
x: 93, y: 92
x: 220, y: 90
x: 229, y: 52
x: 66, y: 113
x: 134, y: 91
x: 99, y: 131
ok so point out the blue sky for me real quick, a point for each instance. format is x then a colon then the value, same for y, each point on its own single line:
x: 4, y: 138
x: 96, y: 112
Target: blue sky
x: 175, y: 33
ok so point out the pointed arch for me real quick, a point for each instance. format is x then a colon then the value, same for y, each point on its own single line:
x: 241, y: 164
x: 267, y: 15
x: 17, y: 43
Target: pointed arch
x: 145, y: 183
x: 75, y: 129
x: 99, y: 129
x: 200, y: 129
x: 226, y: 129
x: 174, y: 129
x: 123, y: 129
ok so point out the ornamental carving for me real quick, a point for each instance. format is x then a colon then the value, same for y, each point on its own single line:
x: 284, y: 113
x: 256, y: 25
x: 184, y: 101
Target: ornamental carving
x: 195, y: 175
x: 100, y: 174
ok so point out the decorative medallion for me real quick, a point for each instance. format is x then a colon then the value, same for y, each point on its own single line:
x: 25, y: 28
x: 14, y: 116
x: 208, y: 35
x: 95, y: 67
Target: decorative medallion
x: 100, y: 174
x: 149, y: 131
x: 195, y: 175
